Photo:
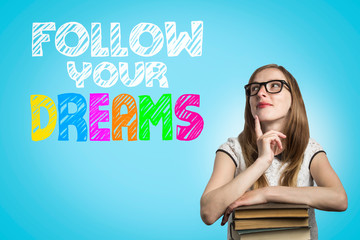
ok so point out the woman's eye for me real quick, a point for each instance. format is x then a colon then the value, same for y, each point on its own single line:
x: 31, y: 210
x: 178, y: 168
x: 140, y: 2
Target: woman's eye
x: 275, y: 85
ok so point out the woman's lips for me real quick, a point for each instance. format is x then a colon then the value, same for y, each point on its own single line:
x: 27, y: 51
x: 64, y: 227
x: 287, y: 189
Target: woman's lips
x: 263, y: 105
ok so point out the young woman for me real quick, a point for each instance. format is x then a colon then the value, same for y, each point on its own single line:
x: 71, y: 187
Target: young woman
x: 273, y: 159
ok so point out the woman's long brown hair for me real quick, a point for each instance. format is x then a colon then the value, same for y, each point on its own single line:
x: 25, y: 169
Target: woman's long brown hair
x: 296, y: 130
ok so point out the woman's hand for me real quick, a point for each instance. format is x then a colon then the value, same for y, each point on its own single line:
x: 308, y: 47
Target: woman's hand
x: 249, y: 198
x: 269, y: 144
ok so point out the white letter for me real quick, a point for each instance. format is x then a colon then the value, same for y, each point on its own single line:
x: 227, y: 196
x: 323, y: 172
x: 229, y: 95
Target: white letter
x: 157, y: 43
x: 96, y: 49
x: 113, y: 74
x: 79, y: 77
x: 83, y: 39
x: 124, y: 74
x: 176, y: 45
x: 156, y: 70
x: 115, y: 41
x: 38, y: 37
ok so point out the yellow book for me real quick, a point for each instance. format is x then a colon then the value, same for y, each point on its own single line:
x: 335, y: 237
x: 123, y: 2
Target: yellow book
x: 271, y: 213
x: 271, y: 210
x: 270, y: 223
x: 293, y: 234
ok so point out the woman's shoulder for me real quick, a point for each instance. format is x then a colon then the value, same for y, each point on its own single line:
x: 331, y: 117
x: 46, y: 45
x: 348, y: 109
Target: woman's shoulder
x: 312, y: 149
x: 232, y: 147
x: 233, y: 141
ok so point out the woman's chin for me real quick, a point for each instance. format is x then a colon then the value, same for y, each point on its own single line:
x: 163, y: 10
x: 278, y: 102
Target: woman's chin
x: 266, y: 118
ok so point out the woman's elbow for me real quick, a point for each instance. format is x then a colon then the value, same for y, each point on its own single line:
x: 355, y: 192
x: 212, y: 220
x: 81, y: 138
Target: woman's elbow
x: 205, y: 213
x: 339, y: 201
x: 207, y: 218
x: 342, y: 202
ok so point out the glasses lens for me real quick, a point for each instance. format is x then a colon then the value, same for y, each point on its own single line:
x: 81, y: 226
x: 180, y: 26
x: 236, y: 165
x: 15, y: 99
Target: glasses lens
x: 254, y: 88
x: 274, y: 86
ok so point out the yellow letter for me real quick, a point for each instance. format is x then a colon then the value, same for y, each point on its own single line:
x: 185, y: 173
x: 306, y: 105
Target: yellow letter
x: 36, y: 102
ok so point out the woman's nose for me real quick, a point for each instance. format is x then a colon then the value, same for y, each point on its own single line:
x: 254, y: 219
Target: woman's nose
x: 262, y: 91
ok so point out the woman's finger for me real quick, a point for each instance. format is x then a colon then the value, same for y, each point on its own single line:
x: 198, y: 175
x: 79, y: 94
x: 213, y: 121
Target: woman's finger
x: 276, y: 146
x: 271, y: 132
x: 275, y: 149
x: 223, y: 221
x: 273, y: 139
x: 242, y: 201
x: 258, y: 130
x: 225, y: 217
x: 279, y: 144
x: 230, y: 209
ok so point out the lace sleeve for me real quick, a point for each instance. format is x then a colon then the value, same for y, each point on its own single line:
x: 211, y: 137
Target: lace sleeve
x: 311, y: 151
x: 231, y: 148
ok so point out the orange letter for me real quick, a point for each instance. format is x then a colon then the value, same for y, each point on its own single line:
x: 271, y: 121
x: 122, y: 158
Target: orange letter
x: 123, y: 120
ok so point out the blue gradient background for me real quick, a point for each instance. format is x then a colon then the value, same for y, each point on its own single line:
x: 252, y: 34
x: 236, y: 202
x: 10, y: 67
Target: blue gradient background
x: 152, y: 189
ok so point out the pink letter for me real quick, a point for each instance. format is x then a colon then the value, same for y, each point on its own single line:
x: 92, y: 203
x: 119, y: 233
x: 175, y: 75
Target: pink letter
x: 192, y: 131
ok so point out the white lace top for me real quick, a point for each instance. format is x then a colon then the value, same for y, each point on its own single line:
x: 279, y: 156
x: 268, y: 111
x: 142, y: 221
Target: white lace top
x: 233, y: 149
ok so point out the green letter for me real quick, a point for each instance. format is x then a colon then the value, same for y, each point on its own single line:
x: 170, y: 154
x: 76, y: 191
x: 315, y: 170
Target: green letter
x: 149, y: 111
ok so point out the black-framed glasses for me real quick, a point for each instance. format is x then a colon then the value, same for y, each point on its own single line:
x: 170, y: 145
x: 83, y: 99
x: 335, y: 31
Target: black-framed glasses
x: 273, y: 86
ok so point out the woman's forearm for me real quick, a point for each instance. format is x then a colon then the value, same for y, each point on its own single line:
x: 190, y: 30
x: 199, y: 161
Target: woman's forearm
x: 323, y: 198
x: 214, y: 203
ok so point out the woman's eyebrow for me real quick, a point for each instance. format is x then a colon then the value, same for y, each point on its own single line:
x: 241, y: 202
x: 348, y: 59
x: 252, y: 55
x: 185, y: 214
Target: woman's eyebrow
x: 271, y: 80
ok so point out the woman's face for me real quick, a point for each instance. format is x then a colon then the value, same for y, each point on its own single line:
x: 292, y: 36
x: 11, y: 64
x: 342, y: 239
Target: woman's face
x: 270, y: 106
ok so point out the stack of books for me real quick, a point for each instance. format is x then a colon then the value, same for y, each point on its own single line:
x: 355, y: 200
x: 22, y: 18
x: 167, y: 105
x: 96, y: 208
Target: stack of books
x: 272, y: 221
